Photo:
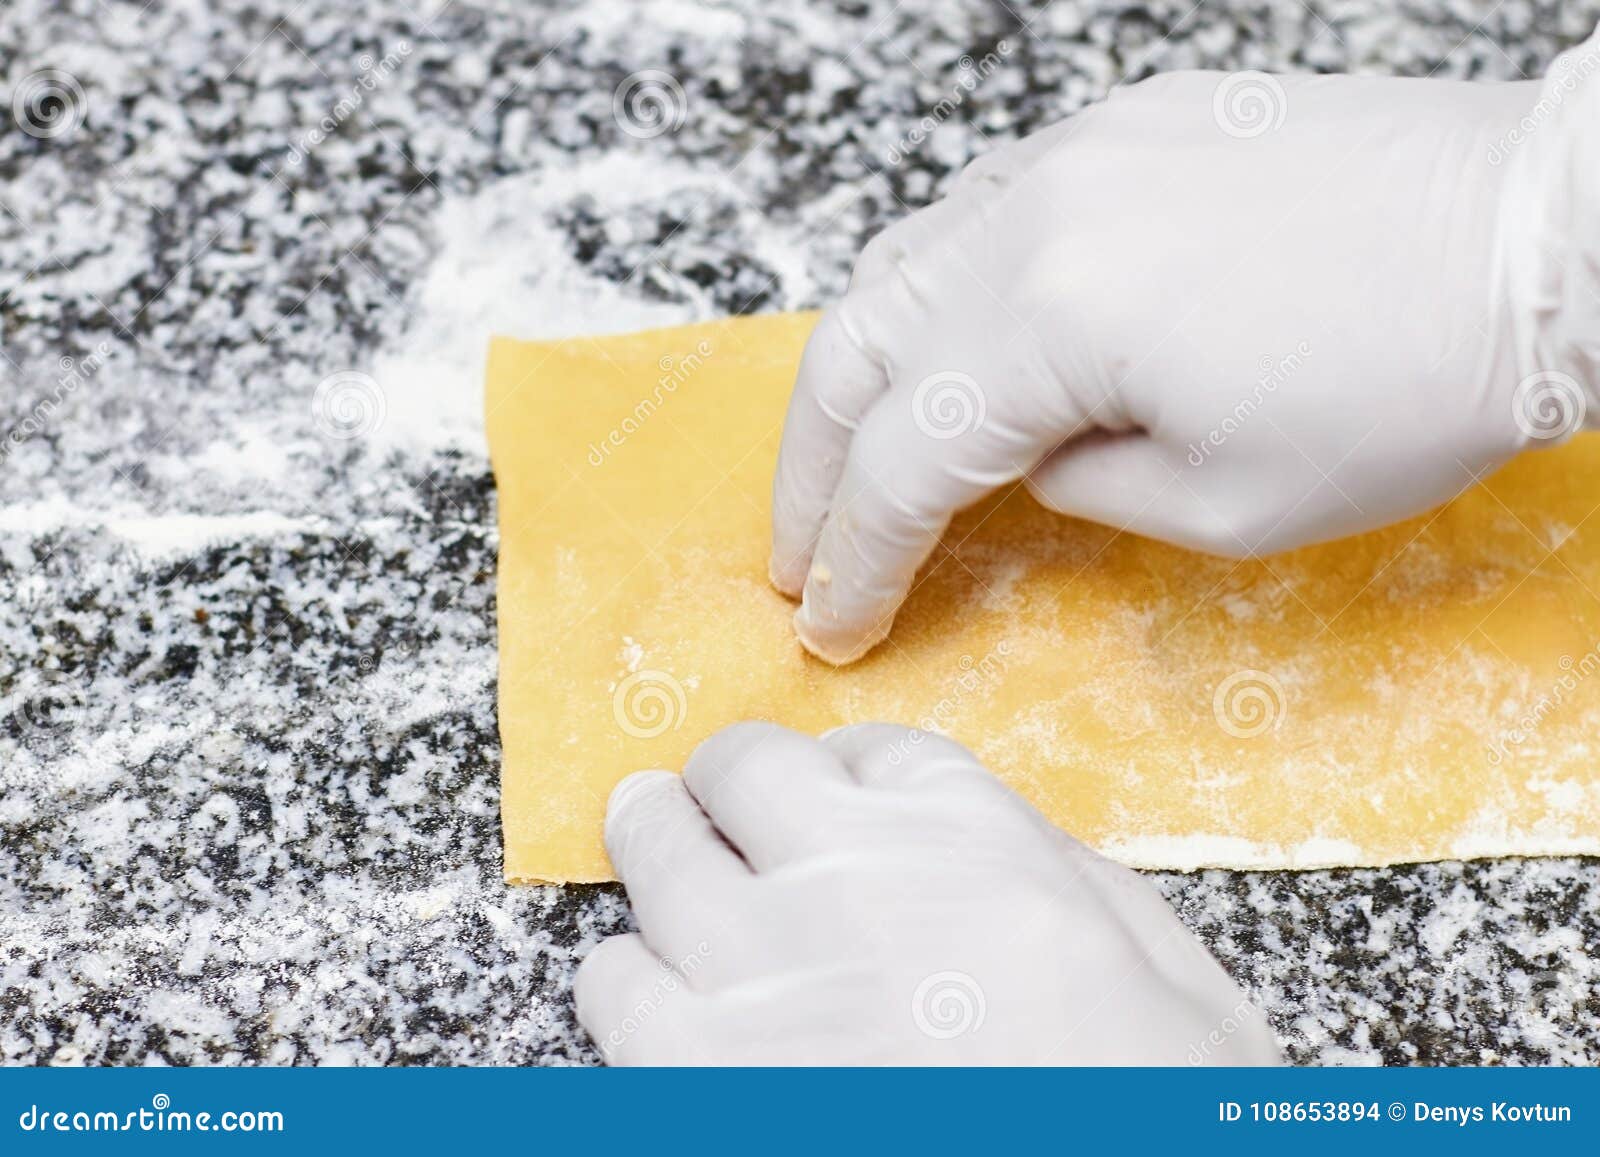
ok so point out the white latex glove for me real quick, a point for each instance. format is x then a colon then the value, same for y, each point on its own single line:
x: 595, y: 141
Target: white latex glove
x: 1239, y: 335
x: 876, y: 896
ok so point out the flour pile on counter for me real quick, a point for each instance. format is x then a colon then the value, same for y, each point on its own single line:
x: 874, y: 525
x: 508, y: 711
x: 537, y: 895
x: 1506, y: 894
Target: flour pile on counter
x: 506, y: 266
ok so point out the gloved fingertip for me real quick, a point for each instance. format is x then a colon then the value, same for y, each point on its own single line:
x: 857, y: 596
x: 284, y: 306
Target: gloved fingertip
x: 824, y: 635
x: 787, y: 573
x: 631, y: 789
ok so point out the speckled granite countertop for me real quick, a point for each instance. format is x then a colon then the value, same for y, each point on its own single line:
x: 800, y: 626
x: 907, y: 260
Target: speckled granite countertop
x: 248, y: 762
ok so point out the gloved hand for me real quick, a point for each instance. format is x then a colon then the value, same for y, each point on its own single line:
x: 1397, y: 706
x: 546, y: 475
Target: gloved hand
x: 876, y: 896
x: 1238, y: 313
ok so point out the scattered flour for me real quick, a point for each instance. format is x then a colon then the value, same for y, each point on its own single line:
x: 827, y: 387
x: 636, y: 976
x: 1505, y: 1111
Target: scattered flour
x: 503, y: 269
x: 182, y: 534
x: 153, y: 536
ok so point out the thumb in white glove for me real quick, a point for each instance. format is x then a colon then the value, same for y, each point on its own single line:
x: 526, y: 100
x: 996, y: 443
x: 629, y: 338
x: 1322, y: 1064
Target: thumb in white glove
x: 1235, y: 335
x: 877, y: 897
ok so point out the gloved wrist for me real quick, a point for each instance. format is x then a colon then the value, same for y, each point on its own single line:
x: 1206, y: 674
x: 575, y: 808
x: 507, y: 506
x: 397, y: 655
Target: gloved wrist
x: 1548, y: 267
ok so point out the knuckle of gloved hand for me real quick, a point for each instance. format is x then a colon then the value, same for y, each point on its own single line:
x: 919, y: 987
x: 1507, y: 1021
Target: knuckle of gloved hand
x: 879, y: 256
x: 988, y: 175
x: 903, y: 255
x: 738, y: 757
x: 846, y: 332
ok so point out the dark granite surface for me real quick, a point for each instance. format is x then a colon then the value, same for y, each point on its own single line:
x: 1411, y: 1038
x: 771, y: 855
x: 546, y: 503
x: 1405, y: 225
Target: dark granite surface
x: 248, y: 799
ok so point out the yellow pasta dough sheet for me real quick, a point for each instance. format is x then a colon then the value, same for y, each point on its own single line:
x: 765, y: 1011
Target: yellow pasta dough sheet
x: 1431, y: 691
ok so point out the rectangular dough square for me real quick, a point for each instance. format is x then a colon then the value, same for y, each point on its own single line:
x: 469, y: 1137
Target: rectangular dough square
x: 1425, y: 692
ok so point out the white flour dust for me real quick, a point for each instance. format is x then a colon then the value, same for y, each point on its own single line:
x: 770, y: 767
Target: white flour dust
x: 503, y: 268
